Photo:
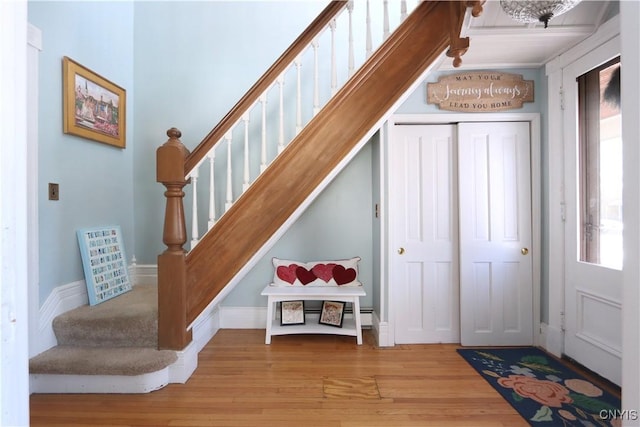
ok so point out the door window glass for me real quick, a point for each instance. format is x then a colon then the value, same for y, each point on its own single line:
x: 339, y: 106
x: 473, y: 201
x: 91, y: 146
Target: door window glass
x: 600, y: 166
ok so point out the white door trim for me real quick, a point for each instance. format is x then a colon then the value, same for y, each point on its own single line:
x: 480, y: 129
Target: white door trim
x: 386, y: 297
x: 34, y: 39
x: 14, y: 329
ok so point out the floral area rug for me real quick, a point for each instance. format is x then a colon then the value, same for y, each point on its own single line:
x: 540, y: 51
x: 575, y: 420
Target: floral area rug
x: 544, y: 391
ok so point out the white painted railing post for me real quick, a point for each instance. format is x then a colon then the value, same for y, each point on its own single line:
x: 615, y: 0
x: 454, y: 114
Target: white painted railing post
x: 194, y: 207
x: 369, y: 41
x: 334, y: 70
x: 298, y: 63
x: 403, y: 10
x: 351, y: 53
x: 316, y: 83
x: 263, y: 139
x: 229, y: 203
x: 247, y: 178
x: 212, y: 198
x: 385, y: 18
x: 280, y: 82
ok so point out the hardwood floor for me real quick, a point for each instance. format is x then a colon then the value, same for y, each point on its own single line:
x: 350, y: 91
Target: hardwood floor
x: 300, y: 380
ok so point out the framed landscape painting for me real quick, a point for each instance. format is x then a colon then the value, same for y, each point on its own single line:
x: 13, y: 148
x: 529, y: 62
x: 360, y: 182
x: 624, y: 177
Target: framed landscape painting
x: 94, y: 107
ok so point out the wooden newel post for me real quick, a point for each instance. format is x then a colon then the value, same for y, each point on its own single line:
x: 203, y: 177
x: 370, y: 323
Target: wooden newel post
x: 172, y: 277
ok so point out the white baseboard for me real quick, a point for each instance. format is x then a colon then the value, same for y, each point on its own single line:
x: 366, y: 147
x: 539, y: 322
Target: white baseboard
x: 62, y: 299
x: 205, y: 327
x: 46, y: 383
x: 182, y: 369
x: 552, y: 339
x: 143, y: 274
x: 243, y: 317
x: 381, y: 332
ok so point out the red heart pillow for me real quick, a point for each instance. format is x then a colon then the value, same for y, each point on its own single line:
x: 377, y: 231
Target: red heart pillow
x: 343, y: 275
x: 305, y: 276
x: 287, y: 273
x: 323, y: 271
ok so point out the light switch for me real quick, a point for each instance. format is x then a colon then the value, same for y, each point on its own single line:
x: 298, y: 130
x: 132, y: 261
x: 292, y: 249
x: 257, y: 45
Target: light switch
x: 54, y: 192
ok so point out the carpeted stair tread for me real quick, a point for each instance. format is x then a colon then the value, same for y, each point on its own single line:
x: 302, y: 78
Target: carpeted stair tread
x: 128, y: 361
x: 130, y: 319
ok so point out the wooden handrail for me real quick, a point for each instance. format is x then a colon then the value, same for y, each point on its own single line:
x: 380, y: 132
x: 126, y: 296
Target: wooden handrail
x: 267, y: 79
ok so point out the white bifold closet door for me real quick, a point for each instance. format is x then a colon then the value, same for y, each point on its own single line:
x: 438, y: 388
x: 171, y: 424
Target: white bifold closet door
x: 496, y: 285
x: 460, y: 213
x: 424, y: 234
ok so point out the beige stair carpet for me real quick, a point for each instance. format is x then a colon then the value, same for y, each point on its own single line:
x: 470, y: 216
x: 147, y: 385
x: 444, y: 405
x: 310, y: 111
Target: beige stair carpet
x: 117, y: 337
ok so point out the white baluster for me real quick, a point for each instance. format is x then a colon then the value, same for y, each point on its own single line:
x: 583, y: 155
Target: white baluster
x: 229, y: 202
x: 194, y: 207
x: 403, y: 10
x: 263, y: 151
x: 298, y: 63
x: 369, y: 43
x: 351, y: 54
x: 281, y: 114
x: 316, y: 87
x: 212, y: 199
x: 385, y: 24
x: 334, y: 72
x: 247, y: 177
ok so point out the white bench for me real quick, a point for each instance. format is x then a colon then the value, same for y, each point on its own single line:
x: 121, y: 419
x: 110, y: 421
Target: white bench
x: 276, y: 294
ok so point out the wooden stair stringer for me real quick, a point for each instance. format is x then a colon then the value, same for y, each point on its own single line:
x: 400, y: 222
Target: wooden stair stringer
x: 334, y: 134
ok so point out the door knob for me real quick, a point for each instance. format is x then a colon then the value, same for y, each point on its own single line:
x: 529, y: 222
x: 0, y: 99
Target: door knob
x: 524, y: 251
x: 401, y: 251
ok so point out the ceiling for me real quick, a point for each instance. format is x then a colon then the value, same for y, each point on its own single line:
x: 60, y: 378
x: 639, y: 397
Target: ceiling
x: 497, y: 41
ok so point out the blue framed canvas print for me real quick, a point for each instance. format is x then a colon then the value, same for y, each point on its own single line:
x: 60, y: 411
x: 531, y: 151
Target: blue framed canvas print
x: 104, y: 263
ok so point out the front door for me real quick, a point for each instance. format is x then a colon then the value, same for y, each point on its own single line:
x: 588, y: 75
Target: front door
x: 593, y: 236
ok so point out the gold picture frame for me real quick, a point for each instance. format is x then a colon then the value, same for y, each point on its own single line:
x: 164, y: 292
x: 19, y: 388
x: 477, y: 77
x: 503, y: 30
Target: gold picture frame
x: 94, y: 107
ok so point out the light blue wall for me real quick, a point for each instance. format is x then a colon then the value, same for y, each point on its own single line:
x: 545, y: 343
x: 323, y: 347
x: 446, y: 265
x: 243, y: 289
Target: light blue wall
x: 95, y: 179
x: 337, y: 225
x: 193, y: 62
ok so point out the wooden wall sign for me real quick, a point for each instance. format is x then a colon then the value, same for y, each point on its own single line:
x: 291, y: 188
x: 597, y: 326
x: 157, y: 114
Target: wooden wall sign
x: 480, y: 91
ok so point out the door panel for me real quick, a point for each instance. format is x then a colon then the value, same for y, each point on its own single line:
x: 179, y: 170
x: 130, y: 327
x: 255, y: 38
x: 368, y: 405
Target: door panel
x: 424, y: 217
x: 496, y: 301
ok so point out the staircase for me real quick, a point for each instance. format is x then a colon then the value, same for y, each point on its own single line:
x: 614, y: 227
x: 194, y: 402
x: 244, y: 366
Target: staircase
x: 191, y: 281
x: 106, y: 348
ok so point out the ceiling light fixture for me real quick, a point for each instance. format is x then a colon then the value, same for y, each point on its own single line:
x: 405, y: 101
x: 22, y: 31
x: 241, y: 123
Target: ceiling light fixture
x: 529, y: 11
